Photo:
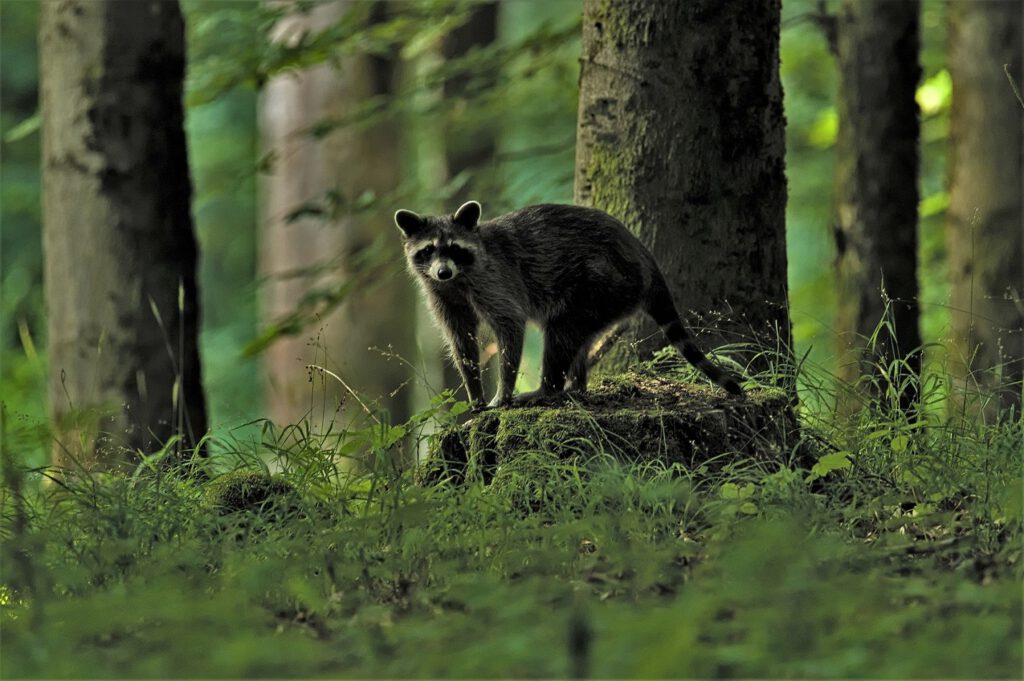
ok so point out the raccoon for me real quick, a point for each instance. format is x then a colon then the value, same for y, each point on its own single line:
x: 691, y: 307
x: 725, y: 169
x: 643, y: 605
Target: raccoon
x: 573, y: 271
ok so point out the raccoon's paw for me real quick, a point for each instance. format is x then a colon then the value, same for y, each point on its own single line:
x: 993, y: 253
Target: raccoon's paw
x: 532, y: 398
x: 732, y: 387
x: 499, y: 401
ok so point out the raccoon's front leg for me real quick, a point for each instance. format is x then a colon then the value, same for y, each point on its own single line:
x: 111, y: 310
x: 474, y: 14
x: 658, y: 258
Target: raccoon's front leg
x: 460, y: 326
x: 467, y: 361
x: 510, y: 351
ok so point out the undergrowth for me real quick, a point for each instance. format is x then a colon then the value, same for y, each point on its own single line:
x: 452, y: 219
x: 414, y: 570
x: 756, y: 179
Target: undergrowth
x: 897, y: 555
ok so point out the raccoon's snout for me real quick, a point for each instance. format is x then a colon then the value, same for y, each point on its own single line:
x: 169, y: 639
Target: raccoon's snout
x: 443, y: 270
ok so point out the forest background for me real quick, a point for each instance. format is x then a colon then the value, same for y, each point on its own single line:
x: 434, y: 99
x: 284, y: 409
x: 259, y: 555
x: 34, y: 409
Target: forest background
x: 534, y: 111
x: 895, y: 551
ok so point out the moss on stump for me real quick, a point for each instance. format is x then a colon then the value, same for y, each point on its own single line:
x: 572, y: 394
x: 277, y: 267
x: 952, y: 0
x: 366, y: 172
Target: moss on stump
x: 631, y: 417
x: 251, y: 491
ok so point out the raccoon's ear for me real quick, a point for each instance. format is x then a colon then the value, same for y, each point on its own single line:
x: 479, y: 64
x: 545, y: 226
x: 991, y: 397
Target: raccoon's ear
x: 408, y: 222
x: 468, y: 214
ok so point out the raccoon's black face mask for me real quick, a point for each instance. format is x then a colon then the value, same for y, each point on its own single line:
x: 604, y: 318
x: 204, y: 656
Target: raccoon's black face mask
x: 443, y: 248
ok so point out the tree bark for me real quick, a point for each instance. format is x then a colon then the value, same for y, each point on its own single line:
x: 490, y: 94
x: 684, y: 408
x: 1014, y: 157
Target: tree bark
x: 681, y: 136
x: 984, y: 230
x: 120, y: 253
x: 877, y: 193
x: 352, y: 340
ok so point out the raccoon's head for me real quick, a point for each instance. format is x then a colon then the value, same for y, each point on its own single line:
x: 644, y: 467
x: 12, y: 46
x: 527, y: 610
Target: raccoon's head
x: 442, y: 248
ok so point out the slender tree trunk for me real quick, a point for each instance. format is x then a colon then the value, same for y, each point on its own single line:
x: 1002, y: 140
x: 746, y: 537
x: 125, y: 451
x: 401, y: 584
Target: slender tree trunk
x: 877, y: 192
x: 355, y: 339
x: 120, y: 254
x: 984, y: 229
x: 470, y: 142
x: 681, y: 136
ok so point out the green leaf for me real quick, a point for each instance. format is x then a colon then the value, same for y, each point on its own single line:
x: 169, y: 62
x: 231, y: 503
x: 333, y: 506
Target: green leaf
x: 350, y: 446
x: 24, y: 129
x: 899, y: 443
x: 830, y: 462
x: 392, y: 435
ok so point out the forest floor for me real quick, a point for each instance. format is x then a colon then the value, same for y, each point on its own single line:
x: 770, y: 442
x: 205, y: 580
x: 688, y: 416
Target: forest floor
x: 897, y: 555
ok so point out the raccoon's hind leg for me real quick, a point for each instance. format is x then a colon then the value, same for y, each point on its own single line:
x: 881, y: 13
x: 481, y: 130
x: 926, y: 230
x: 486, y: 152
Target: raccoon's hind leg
x: 589, y: 353
x: 575, y: 380
x: 564, y: 343
x: 578, y: 371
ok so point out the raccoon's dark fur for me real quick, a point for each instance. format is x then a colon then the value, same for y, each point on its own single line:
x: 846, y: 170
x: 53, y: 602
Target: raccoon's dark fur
x: 573, y: 271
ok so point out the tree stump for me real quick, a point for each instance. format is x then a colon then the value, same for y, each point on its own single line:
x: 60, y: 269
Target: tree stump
x: 631, y: 417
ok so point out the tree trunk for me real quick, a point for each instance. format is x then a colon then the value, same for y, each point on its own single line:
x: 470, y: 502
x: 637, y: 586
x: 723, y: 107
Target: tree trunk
x: 376, y: 317
x: 877, y: 193
x: 470, y: 142
x: 120, y: 254
x: 681, y: 136
x: 984, y: 232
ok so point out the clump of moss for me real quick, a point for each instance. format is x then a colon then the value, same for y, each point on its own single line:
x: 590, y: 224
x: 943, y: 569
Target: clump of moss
x: 634, y: 416
x: 251, y: 491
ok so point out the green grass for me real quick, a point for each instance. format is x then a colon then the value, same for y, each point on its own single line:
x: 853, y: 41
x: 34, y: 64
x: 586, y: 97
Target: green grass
x: 897, y: 556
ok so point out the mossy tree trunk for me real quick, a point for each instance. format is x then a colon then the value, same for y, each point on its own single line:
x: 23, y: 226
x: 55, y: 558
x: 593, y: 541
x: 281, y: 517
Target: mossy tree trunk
x: 984, y: 232
x: 877, y: 192
x: 681, y: 136
x: 334, y: 247
x: 120, y: 253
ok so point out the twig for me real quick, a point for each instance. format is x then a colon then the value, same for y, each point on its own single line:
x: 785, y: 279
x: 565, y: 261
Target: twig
x: 1013, y: 84
x: 353, y: 393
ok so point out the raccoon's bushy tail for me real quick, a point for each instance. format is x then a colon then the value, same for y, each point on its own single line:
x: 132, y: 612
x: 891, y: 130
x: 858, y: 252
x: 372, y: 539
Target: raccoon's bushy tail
x: 660, y: 306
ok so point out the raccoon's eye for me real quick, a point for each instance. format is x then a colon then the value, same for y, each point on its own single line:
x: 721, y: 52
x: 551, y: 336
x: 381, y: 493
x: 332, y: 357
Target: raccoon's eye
x: 424, y: 254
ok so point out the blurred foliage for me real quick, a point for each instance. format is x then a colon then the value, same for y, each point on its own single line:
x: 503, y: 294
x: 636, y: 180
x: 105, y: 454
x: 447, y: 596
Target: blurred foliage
x: 524, y: 85
x: 23, y: 377
x: 898, y: 554
x: 223, y: 149
x: 810, y: 78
